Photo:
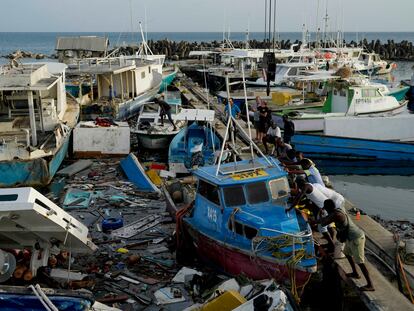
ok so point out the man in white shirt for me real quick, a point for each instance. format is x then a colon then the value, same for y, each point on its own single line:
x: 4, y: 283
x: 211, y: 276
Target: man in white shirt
x: 273, y: 133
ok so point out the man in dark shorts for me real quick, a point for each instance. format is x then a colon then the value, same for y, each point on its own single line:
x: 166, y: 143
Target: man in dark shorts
x: 165, y: 110
x: 264, y: 113
x: 288, y: 129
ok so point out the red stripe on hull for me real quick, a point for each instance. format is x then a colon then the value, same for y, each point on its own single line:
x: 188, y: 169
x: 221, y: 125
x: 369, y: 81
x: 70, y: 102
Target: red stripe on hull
x: 235, y: 262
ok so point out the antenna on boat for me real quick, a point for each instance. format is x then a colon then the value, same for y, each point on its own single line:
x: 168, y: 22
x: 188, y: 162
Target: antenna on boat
x: 131, y: 18
x: 144, y: 49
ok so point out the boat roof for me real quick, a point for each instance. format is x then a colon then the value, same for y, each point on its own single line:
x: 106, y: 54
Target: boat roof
x: 241, y: 172
x: 28, y: 77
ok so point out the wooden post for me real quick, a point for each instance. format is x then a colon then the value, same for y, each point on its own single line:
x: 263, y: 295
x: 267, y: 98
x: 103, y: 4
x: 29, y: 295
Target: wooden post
x: 98, y: 81
x: 91, y: 88
x: 112, y: 87
x: 133, y: 84
x: 122, y: 87
x: 32, y: 118
x: 127, y: 83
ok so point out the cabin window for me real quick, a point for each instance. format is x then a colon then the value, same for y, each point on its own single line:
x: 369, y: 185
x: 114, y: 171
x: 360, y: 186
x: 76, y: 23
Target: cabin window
x: 279, y: 188
x: 257, y: 193
x: 209, y: 192
x: 342, y: 93
x: 8, y: 197
x: 143, y: 75
x: 244, y: 230
x: 369, y: 93
x: 149, y: 69
x: 234, y: 196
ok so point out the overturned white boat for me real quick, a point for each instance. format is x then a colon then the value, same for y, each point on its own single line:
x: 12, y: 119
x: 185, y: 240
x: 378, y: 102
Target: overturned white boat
x: 29, y: 220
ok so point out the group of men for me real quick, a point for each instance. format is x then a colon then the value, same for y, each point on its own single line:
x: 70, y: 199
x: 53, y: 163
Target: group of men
x: 329, y: 214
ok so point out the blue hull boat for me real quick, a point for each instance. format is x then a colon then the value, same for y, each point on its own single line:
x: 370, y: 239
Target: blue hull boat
x: 332, y: 166
x: 317, y: 146
x: 136, y: 174
x: 32, y: 173
x: 192, y: 141
x: 238, y: 222
x: 168, y: 79
x: 14, y: 298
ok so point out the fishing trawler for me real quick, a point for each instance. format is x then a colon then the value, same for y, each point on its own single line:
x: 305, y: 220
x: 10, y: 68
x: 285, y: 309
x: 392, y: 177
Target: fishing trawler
x: 36, y: 121
x: 238, y: 220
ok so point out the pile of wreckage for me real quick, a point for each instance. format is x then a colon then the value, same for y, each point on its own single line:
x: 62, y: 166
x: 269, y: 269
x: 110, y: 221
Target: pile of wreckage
x: 111, y: 246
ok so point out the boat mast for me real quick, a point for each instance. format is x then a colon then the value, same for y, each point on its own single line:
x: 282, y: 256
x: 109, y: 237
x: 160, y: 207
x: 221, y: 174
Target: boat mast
x: 326, y: 19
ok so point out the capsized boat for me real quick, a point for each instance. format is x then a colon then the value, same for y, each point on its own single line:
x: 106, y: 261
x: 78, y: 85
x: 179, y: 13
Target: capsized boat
x: 36, y: 121
x: 149, y: 130
x: 195, y: 145
x: 238, y: 222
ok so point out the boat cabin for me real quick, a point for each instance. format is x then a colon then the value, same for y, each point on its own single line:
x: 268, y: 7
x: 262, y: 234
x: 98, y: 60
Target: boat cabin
x: 119, y: 81
x: 32, y: 104
x: 350, y: 99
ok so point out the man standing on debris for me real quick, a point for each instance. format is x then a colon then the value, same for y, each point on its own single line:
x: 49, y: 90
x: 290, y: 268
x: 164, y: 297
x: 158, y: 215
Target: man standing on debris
x: 353, y: 237
x: 165, y: 110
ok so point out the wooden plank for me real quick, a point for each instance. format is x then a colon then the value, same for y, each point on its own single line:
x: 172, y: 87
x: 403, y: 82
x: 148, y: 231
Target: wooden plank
x: 75, y: 168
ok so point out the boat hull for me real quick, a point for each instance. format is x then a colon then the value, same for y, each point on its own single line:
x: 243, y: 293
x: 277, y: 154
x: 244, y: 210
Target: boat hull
x: 319, y: 145
x: 128, y: 109
x: 32, y: 173
x: 167, y: 80
x: 400, y: 93
x: 235, y: 262
x: 154, y: 141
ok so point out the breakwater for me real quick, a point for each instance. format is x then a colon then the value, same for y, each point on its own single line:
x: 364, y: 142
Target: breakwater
x: 176, y: 50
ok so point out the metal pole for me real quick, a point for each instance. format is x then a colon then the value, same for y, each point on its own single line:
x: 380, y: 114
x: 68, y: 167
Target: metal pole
x: 222, y: 147
x: 247, y: 110
x: 32, y: 118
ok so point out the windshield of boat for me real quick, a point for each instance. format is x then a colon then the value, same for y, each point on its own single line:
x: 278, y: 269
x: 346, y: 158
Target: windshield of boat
x: 257, y: 193
x: 234, y: 196
x: 370, y: 93
x: 209, y: 192
x: 279, y: 188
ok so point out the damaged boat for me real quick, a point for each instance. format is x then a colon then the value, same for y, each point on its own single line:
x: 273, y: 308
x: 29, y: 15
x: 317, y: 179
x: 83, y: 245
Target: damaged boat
x: 238, y: 222
x: 36, y: 121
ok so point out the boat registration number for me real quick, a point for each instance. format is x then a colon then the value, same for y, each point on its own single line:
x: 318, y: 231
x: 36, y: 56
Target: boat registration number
x: 249, y: 175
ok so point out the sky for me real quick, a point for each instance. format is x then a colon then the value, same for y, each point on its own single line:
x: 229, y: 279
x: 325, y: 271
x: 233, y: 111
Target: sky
x: 202, y: 15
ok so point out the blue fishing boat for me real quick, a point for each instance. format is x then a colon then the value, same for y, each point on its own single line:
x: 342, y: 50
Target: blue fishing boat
x: 316, y: 146
x: 238, y: 222
x: 35, y: 131
x: 195, y: 144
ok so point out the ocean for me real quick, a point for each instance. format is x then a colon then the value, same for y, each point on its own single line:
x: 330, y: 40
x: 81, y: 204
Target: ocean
x: 44, y: 42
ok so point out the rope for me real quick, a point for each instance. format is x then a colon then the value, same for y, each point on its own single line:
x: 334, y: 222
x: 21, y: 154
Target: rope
x: 402, y: 271
x: 179, y: 222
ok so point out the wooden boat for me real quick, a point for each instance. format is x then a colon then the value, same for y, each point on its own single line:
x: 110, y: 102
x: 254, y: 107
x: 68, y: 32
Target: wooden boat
x: 316, y: 146
x: 195, y: 144
x: 238, y: 222
x: 151, y: 134
x: 124, y: 84
x: 36, y: 121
